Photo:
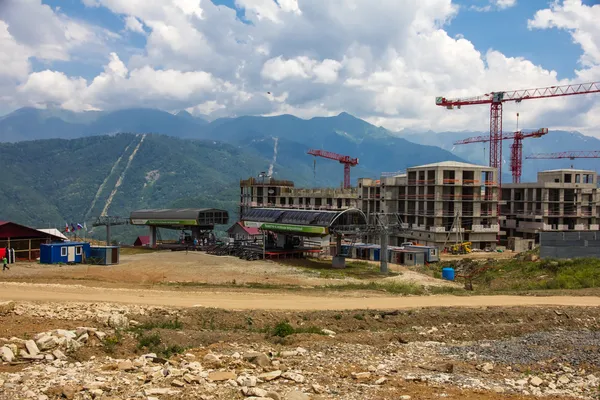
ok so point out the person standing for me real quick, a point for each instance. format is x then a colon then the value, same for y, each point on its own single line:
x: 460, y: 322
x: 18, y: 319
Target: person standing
x: 5, y: 263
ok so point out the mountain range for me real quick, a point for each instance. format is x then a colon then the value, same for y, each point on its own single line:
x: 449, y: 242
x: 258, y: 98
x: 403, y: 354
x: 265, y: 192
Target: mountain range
x: 169, y: 160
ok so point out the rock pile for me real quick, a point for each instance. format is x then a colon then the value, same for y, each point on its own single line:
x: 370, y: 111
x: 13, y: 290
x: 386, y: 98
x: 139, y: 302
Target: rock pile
x: 48, y: 346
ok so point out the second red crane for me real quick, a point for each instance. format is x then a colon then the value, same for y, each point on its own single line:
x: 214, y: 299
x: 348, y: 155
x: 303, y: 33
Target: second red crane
x: 346, y: 160
x: 516, y: 154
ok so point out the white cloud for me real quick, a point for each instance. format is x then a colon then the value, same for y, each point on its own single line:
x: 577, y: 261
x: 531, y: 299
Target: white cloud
x: 494, y: 5
x: 502, y: 4
x: 580, y: 20
x: 134, y: 25
x: 384, y: 61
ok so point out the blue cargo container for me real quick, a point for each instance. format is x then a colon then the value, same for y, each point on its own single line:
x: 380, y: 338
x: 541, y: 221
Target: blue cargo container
x: 66, y: 253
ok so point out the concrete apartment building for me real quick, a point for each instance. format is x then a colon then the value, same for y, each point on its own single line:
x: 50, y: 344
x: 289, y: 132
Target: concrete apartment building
x: 439, y: 203
x: 560, y: 200
x: 269, y: 192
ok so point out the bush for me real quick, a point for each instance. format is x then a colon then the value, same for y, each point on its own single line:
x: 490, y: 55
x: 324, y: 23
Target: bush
x: 283, y: 329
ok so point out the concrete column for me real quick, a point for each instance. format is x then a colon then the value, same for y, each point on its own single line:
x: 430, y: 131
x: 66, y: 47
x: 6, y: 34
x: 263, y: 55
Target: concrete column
x: 152, y: 236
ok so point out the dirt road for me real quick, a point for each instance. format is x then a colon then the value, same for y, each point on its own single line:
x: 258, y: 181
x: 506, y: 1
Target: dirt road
x: 270, y: 300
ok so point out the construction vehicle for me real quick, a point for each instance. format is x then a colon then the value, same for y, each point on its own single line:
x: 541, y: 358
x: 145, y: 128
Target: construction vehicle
x: 461, y: 248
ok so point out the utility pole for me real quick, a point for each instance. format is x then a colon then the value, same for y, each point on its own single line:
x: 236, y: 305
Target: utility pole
x: 108, y: 222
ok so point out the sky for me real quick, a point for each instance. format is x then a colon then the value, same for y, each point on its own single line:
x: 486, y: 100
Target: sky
x: 381, y: 60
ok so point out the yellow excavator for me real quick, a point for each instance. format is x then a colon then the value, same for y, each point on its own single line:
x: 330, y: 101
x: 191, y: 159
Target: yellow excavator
x: 461, y: 248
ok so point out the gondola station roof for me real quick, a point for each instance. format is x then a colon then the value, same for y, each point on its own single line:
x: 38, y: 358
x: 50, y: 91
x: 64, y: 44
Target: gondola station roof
x: 177, y: 218
x: 303, y: 222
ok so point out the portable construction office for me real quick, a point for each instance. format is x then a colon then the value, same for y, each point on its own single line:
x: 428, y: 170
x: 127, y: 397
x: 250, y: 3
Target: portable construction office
x: 104, y: 255
x: 66, y: 253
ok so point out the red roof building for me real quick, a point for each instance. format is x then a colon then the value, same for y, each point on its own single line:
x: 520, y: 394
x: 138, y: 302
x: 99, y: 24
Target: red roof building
x: 240, y: 232
x: 142, y: 241
x: 24, y: 240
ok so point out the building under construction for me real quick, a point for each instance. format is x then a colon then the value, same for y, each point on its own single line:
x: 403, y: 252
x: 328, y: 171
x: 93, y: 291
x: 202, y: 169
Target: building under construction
x: 560, y: 200
x: 439, y: 203
x: 269, y: 192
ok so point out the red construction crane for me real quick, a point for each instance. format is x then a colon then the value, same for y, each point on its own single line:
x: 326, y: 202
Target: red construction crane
x: 516, y: 153
x: 346, y: 160
x: 565, y: 154
x: 496, y: 99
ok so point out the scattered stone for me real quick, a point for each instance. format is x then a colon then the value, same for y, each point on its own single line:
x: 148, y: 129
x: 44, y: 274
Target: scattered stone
x: 260, y: 359
x: 177, y: 383
x: 32, y: 348
x: 269, y: 376
x: 59, y: 355
x: 211, y: 358
x: 6, y: 307
x: 6, y: 354
x: 220, y: 376
x: 328, y: 332
x: 318, y: 389
x: 66, y: 334
x: 535, y: 381
x: 487, y: 367
x: 83, y: 338
x: 126, y: 365
x: 47, y: 342
x: 96, y: 392
x: 563, y: 380
x: 446, y: 368
x: 361, y: 375
x: 293, y: 376
x: 254, y: 391
x: 118, y: 321
x: 380, y: 381
x: 273, y: 396
x: 405, y: 397
x: 296, y: 395
x: 248, y: 381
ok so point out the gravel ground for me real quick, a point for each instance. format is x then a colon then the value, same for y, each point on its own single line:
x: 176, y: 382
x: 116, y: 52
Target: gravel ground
x: 575, y: 348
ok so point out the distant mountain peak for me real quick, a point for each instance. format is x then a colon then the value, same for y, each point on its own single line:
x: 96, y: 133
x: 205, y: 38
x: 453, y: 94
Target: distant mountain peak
x: 184, y: 114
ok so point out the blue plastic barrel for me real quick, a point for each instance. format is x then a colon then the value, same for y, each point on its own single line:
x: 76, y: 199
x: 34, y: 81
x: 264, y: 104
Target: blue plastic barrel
x: 448, y: 273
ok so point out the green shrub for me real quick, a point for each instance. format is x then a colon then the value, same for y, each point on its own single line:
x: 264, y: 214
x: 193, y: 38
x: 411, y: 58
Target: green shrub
x: 283, y: 329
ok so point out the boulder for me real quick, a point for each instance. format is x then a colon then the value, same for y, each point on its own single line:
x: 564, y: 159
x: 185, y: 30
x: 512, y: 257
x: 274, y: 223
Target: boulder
x: 328, y: 332
x: 6, y: 354
x: 177, y: 383
x: 59, y: 355
x: 118, y: 321
x: 32, y: 348
x: 47, y: 342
